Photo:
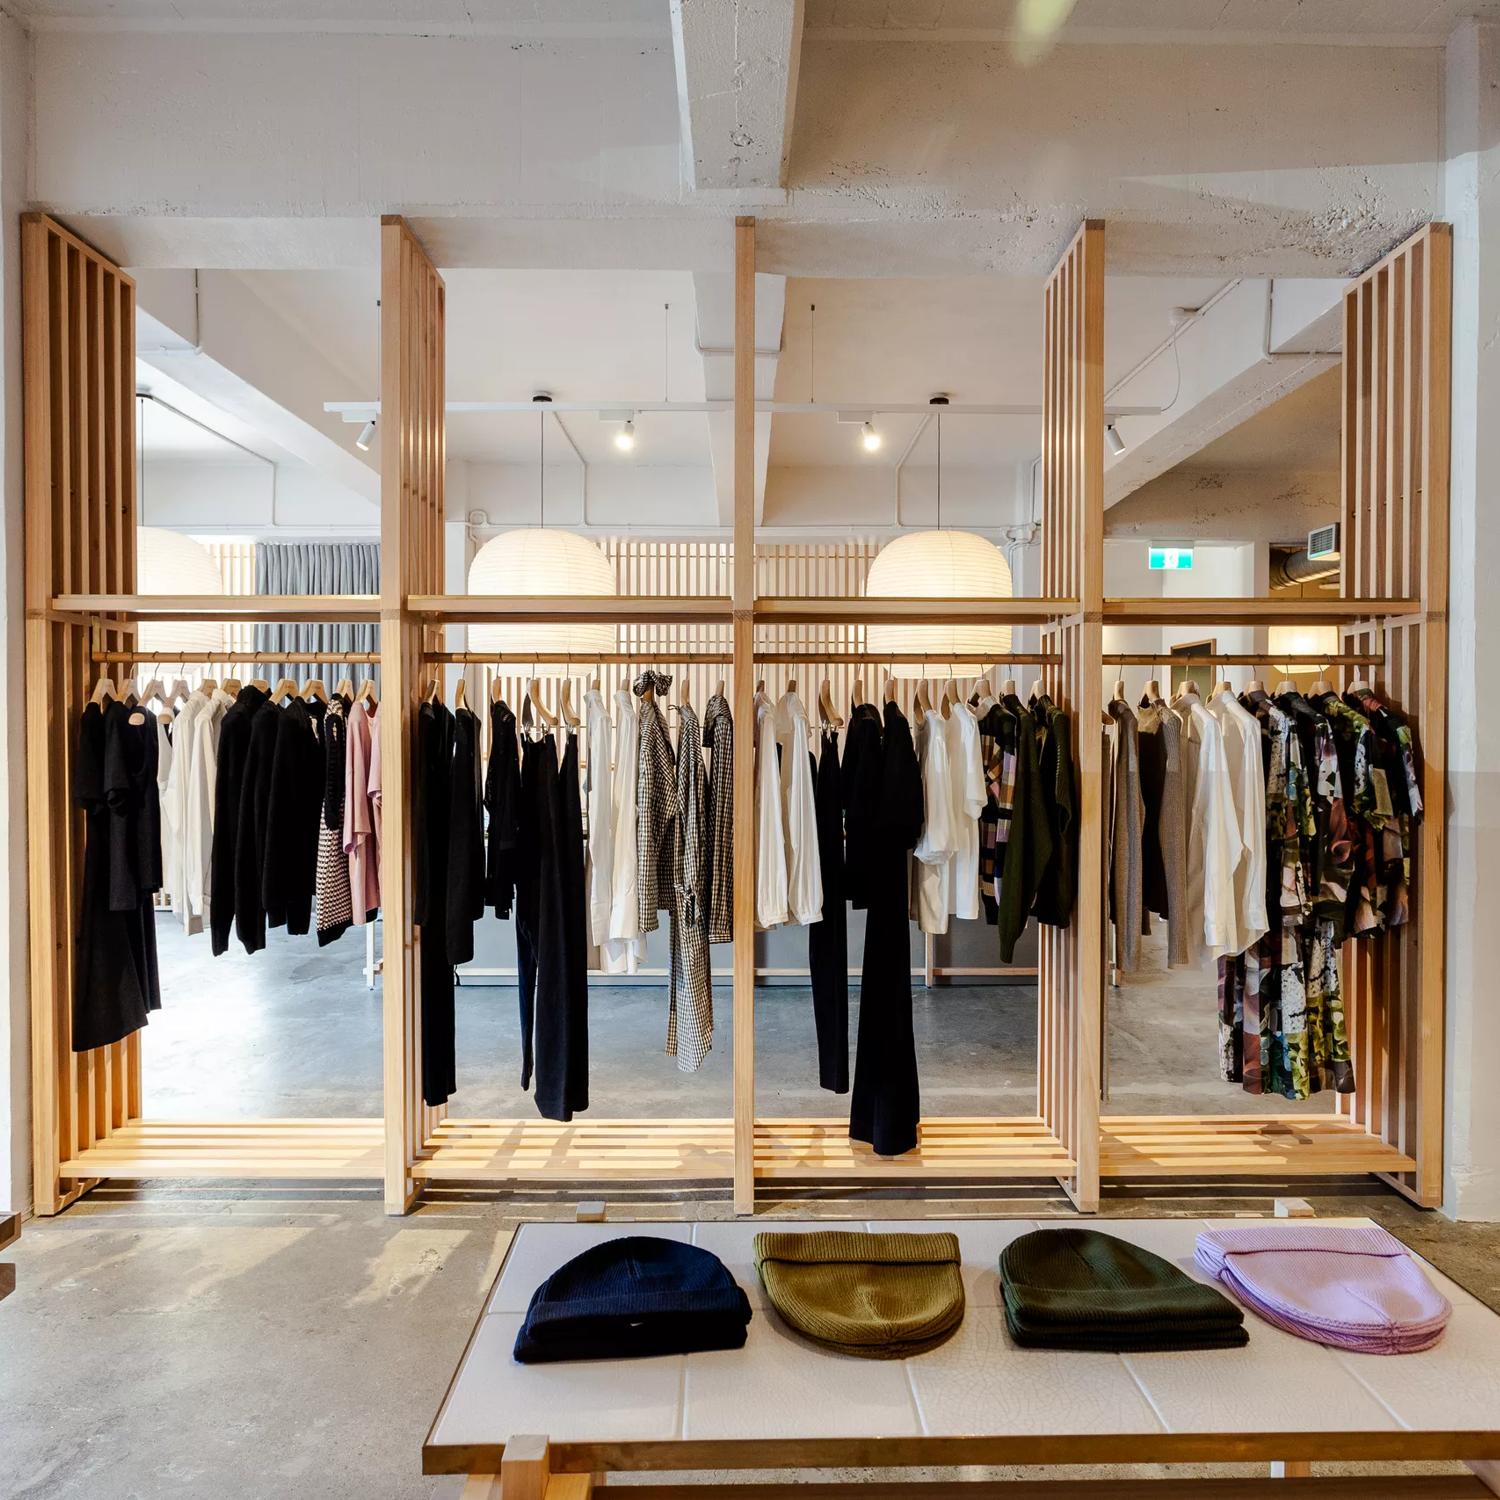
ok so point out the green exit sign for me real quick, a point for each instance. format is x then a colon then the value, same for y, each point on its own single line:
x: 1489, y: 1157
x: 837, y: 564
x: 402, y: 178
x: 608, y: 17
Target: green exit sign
x: 1170, y: 559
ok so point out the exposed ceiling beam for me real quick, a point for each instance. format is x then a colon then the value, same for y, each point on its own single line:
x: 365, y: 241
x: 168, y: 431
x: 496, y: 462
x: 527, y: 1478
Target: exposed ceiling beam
x: 736, y: 63
x: 714, y: 294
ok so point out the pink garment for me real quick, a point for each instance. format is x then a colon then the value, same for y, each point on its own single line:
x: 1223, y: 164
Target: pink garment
x: 361, y: 817
x: 377, y: 786
x: 1352, y: 1288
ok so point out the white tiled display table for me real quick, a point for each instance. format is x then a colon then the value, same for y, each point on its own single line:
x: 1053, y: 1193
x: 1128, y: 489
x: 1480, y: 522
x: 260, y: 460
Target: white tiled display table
x: 781, y: 1402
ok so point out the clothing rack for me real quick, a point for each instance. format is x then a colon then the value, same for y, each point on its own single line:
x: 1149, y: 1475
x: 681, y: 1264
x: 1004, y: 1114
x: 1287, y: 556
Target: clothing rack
x: 1253, y: 659
x: 249, y: 658
x: 91, y: 1120
x: 668, y: 654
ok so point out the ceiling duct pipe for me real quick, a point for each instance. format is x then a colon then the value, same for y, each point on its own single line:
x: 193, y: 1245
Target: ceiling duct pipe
x: 1291, y: 569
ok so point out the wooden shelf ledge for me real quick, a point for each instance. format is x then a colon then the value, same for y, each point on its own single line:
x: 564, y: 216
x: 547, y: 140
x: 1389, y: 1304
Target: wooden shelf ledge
x: 289, y: 608
x: 564, y: 608
x: 268, y: 1149
x: 1284, y: 1145
x: 1241, y: 611
x: 797, y: 609
x: 581, y: 1151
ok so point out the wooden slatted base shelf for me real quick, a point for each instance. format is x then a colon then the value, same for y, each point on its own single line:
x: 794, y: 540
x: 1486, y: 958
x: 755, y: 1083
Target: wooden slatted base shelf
x: 1243, y: 1146
x: 585, y: 1150
x: 286, y: 1149
x: 820, y: 1150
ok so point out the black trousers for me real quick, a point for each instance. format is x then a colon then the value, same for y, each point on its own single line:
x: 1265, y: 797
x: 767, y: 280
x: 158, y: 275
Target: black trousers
x: 561, y: 1013
x: 885, y: 1106
x: 828, y: 940
x: 528, y: 893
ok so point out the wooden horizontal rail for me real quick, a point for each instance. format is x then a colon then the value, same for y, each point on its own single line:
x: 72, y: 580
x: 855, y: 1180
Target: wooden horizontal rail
x: 1230, y: 659
x: 1285, y: 1145
x: 795, y: 609
x: 288, y: 608
x: 250, y: 658
x: 1241, y: 611
x: 674, y: 656
x: 545, y: 609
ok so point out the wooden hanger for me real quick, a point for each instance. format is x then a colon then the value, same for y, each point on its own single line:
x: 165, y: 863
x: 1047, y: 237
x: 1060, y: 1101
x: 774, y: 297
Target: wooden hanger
x: 153, y: 689
x: 1286, y: 685
x: 1221, y: 688
x: 594, y: 683
x: 923, y: 701
x: 1037, y: 689
x: 345, y: 688
x: 1008, y: 688
x: 760, y: 686
x: 180, y: 691
x: 1153, y: 691
x: 233, y: 686
x: 791, y: 684
x: 497, y: 691
x: 314, y: 690
x: 286, y: 688
x: 434, y: 693
x: 104, y: 688
x: 565, y: 704
x: 889, y: 691
x: 207, y: 687
x: 366, y: 693
x: 534, y: 695
x: 1119, y: 695
x: 1255, y: 685
x: 1321, y: 687
x: 951, y: 696
x: 1359, y: 685
x: 461, y: 694
x: 684, y: 694
x: 858, y: 695
x: 830, y: 715
x: 720, y: 688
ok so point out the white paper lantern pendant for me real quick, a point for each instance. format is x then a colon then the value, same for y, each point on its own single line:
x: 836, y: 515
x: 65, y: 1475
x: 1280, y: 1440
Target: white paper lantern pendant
x: 167, y: 562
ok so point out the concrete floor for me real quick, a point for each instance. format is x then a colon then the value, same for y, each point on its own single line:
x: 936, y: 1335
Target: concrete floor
x: 224, y: 1340
x: 294, y: 1031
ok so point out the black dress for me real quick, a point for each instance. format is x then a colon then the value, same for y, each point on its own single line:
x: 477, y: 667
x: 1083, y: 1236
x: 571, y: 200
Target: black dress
x: 429, y: 910
x: 528, y: 877
x: 229, y: 785
x: 465, y: 869
x: 289, y: 862
x: 116, y: 983
x: 860, y: 775
x: 885, y: 1106
x: 561, y: 1025
x: 828, y: 939
x: 502, y: 794
x: 252, y: 823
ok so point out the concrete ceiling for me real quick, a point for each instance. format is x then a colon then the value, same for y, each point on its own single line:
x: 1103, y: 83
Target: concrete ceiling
x: 537, y: 17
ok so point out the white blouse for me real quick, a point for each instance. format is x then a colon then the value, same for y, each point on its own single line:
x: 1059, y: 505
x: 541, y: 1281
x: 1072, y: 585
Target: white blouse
x: 1242, y: 755
x: 201, y: 794
x: 1214, y: 846
x: 770, y: 827
x: 939, y: 841
x: 600, y: 794
x: 804, y: 871
x: 966, y: 785
x: 625, y: 946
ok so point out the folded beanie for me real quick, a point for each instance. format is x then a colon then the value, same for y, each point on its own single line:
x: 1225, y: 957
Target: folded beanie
x: 878, y: 1296
x: 1079, y: 1289
x: 632, y: 1297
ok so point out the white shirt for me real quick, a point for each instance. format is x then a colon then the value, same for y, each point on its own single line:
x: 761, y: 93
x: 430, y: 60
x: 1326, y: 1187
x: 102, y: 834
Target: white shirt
x: 966, y: 787
x: 804, y: 872
x: 625, y: 945
x: 770, y: 828
x: 938, y: 844
x: 1214, y: 846
x: 600, y: 814
x: 198, y: 839
x: 179, y: 870
x: 1247, y: 781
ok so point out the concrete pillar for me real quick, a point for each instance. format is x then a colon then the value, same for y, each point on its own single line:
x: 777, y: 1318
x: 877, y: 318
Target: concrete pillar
x: 1472, y: 205
x: 15, y: 1054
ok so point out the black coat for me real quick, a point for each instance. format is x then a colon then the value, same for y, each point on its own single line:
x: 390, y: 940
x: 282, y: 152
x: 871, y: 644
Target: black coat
x: 828, y: 939
x: 289, y: 859
x: 465, y: 871
x: 885, y: 1107
x: 430, y: 814
x: 254, y: 816
x: 115, y: 979
x: 229, y: 785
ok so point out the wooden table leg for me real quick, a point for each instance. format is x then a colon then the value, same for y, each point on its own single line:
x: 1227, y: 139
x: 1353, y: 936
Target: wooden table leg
x: 481, y: 1487
x: 525, y: 1468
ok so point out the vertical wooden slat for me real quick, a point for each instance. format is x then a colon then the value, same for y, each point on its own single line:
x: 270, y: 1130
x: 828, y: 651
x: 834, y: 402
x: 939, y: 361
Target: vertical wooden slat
x: 743, y: 599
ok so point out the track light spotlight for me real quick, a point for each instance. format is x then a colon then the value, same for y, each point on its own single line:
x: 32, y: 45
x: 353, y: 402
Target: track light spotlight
x: 870, y: 438
x: 1117, y: 444
x: 625, y: 437
x: 366, y: 436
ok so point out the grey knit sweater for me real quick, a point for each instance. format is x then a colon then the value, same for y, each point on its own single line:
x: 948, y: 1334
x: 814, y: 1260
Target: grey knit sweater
x: 1128, y: 813
x: 1171, y: 827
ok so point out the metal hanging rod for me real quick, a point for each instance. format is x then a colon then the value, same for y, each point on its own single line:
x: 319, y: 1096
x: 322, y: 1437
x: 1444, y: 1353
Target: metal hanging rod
x: 674, y: 657
x: 1264, y: 659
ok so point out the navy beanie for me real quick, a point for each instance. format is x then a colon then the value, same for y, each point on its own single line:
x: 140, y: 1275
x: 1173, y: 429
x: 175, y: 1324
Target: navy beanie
x: 633, y: 1297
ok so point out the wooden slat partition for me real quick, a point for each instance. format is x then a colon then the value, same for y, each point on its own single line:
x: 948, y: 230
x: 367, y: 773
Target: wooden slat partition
x: 1070, y: 992
x: 1395, y: 544
x: 412, y: 456
x: 79, y: 386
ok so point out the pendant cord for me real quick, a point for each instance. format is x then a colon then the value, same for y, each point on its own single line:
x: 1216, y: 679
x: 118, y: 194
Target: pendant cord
x: 541, y: 468
x: 940, y: 471
x: 812, y: 355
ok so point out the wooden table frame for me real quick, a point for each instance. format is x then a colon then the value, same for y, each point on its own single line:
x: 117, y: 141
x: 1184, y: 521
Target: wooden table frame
x: 529, y: 1466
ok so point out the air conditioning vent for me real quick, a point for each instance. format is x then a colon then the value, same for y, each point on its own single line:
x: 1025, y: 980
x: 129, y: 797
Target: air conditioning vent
x: 1323, y: 542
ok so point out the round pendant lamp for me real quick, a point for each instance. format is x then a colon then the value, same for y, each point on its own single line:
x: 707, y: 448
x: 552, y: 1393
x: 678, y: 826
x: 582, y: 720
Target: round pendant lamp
x: 1301, y: 640
x: 535, y: 560
x: 940, y: 564
x: 167, y: 562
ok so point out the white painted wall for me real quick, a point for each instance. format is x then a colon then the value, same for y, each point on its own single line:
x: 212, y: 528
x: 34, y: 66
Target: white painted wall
x: 256, y: 498
x: 1472, y: 205
x: 15, y: 1027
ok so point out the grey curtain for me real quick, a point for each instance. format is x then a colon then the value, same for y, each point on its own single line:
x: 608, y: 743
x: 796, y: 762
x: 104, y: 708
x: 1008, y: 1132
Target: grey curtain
x: 317, y: 568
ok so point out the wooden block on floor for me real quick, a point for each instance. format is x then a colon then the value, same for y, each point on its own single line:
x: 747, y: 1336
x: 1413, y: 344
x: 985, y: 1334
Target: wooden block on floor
x: 7, y: 1279
x: 10, y: 1230
x: 1294, y: 1208
x: 591, y: 1212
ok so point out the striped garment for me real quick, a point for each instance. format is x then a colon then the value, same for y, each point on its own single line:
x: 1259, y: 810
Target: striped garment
x: 655, y: 804
x: 718, y: 740
x: 690, y: 1017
